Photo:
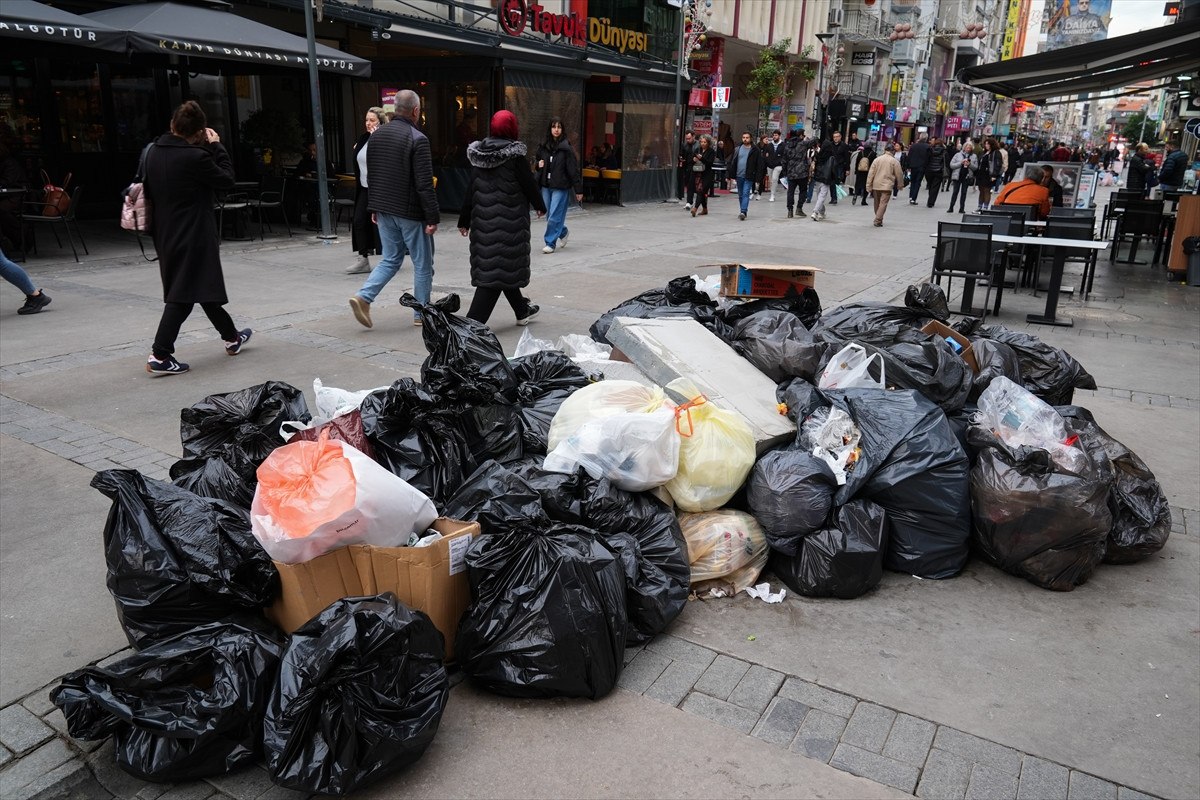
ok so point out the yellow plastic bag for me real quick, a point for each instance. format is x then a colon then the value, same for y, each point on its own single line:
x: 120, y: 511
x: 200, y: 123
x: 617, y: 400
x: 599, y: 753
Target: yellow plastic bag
x: 725, y: 545
x: 599, y: 400
x: 716, y: 453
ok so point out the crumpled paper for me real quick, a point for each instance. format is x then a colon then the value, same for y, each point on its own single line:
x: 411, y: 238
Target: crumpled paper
x: 763, y: 592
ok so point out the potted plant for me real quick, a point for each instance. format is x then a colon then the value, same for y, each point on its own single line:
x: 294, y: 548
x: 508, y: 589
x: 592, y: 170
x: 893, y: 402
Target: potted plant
x: 274, y: 135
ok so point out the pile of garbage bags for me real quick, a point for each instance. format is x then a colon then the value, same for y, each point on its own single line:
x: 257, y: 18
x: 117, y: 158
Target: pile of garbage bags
x: 603, y: 507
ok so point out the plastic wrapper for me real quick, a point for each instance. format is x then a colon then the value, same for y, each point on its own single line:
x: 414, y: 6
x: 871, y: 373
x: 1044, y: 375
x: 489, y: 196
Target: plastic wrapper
x: 844, y: 559
x: 726, y: 548
x: 790, y: 494
x: 246, y: 421
x: 418, y: 438
x: 360, y: 695
x: 314, y: 497
x: 634, y: 451
x: 1049, y: 372
x: 778, y: 345
x: 913, y: 466
x: 680, y: 298
x: 601, y: 400
x: 800, y: 398
x: 466, y: 360
x: 333, y: 402
x: 229, y: 476
x: 583, y: 348
x: 177, y: 560
x: 548, y: 616
x: 1141, y: 515
x: 1032, y: 518
x: 189, y: 707
x: 716, y: 452
x: 995, y: 359
x: 1022, y: 420
x: 528, y: 344
x: 831, y: 436
x: 853, y: 367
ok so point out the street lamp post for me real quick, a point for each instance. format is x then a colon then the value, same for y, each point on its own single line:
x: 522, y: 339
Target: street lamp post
x: 318, y: 124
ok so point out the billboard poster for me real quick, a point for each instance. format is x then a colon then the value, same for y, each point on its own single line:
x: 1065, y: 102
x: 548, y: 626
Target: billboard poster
x: 1012, y: 22
x: 1074, y: 22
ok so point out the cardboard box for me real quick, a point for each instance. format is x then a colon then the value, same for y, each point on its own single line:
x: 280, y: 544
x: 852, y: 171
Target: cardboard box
x: 432, y: 579
x: 765, y: 280
x: 945, y: 332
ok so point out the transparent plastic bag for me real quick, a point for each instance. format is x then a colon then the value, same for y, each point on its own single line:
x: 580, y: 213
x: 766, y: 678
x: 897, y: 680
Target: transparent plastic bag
x: 635, y: 451
x: 716, y: 452
x: 835, y: 439
x: 725, y: 545
x: 602, y: 399
x: 314, y: 497
x: 584, y: 348
x: 1019, y: 418
x: 851, y: 368
x: 333, y: 402
x: 528, y: 344
x: 711, y: 285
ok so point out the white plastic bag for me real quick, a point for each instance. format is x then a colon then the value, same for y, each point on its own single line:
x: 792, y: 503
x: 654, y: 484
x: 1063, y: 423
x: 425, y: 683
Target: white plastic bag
x: 602, y: 399
x: 851, y: 369
x: 1020, y: 418
x: 314, y: 497
x: 332, y: 402
x: 528, y: 345
x: 584, y: 348
x: 716, y: 451
x: 724, y: 545
x: 711, y: 285
x: 635, y: 451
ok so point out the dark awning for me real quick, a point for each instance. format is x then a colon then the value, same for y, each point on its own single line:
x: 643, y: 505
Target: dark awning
x: 1095, y: 66
x: 25, y: 19
x: 184, y: 30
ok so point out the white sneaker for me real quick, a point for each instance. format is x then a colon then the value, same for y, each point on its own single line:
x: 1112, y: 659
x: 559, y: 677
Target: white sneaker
x: 359, y: 266
x: 547, y: 249
x: 687, y: 206
x: 772, y: 199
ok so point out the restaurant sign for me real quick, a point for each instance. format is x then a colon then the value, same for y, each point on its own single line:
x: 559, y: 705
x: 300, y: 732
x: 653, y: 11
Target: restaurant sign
x: 516, y: 15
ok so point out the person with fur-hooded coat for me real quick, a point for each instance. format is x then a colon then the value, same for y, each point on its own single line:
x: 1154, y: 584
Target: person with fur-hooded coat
x: 495, y: 214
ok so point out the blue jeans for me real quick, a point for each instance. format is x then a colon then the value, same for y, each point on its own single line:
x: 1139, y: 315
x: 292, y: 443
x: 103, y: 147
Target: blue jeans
x: 556, y: 201
x: 401, y: 237
x: 13, y: 273
x: 744, y: 186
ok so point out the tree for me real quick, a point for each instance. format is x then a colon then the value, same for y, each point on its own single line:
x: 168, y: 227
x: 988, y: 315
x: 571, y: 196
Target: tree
x: 773, y: 71
x: 1139, y: 129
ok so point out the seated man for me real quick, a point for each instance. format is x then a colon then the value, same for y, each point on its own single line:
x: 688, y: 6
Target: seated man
x: 1027, y: 192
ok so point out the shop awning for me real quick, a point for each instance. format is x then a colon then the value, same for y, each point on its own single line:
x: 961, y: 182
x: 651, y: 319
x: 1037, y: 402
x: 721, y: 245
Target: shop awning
x: 176, y: 29
x: 1092, y: 67
x: 25, y: 19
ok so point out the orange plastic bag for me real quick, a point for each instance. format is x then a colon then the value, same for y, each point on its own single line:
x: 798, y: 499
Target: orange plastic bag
x: 306, y: 485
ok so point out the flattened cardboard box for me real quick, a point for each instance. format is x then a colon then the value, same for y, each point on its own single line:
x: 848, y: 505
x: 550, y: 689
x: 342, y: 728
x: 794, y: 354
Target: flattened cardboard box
x: 432, y: 579
x: 945, y: 332
x: 766, y: 280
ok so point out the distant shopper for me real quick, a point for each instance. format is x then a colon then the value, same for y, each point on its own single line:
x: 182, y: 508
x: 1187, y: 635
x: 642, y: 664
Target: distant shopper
x: 1060, y: 153
x: 364, y: 235
x: 797, y: 163
x: 402, y: 203
x: 862, y: 158
x: 495, y: 215
x: 962, y: 170
x: 747, y: 167
x: 183, y: 170
x: 1170, y: 175
x: 841, y: 164
x: 1054, y: 187
x: 35, y: 298
x: 686, y: 184
x: 918, y: 162
x: 824, y: 177
x: 933, y: 171
x: 883, y: 178
x: 1027, y: 192
x: 775, y: 161
x: 702, y: 174
x: 1141, y: 167
x: 559, y: 179
x: 990, y: 168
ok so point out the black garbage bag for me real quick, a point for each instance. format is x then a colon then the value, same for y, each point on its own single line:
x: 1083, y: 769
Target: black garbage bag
x: 544, y: 380
x: 873, y: 321
x: 844, y: 559
x: 995, y: 359
x: 360, y: 695
x: 680, y: 298
x: 790, y: 493
x: 1034, y: 519
x: 806, y: 305
x: 801, y: 398
x: 177, y: 560
x: 1049, y: 372
x: 928, y: 298
x: 418, y: 437
x: 779, y: 345
x: 189, y: 707
x: 493, y: 431
x: 1141, y: 515
x: 536, y: 418
x: 465, y: 358
x: 230, y: 476
x: 246, y: 421
x: 912, y: 465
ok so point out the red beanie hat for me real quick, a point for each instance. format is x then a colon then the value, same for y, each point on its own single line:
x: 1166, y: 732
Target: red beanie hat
x: 504, y: 125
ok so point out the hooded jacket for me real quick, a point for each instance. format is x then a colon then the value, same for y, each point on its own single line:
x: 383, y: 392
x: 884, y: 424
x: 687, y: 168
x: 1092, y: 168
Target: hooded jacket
x: 496, y: 212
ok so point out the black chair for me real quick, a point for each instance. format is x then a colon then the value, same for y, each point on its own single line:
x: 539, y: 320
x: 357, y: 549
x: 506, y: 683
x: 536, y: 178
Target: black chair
x: 237, y: 204
x: 1030, y: 212
x: 1004, y: 255
x: 1073, y: 213
x: 270, y: 197
x: 342, y: 202
x: 1140, y: 218
x: 964, y: 250
x: 34, y: 216
x: 1069, y: 229
x: 1115, y: 207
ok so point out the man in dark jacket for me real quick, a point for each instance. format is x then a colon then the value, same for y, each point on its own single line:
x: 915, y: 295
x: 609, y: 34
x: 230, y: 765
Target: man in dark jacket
x: 774, y: 153
x: 686, y: 151
x: 402, y: 203
x: 1014, y: 162
x: 747, y: 167
x: 1170, y: 175
x: 933, y: 170
x: 918, y: 165
x: 841, y: 166
x: 1141, y: 167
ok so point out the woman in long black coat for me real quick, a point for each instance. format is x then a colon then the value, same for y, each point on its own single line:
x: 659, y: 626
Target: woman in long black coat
x: 183, y: 170
x: 496, y: 216
x: 364, y: 235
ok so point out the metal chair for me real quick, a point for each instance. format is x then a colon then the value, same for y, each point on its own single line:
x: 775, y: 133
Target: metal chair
x: 1115, y: 207
x: 1140, y: 218
x: 1030, y: 212
x: 964, y: 251
x: 33, y: 215
x: 1003, y: 254
x: 610, y: 186
x: 591, y: 183
x: 342, y: 201
x: 233, y: 202
x: 1073, y: 213
x: 270, y: 196
x: 1065, y: 228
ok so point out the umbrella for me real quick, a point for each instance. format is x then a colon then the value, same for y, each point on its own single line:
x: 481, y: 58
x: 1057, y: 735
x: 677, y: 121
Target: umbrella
x: 25, y: 19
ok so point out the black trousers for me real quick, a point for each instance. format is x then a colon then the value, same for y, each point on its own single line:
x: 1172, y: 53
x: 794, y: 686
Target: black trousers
x: 175, y: 314
x: 484, y: 301
x: 933, y: 183
x: 797, y: 185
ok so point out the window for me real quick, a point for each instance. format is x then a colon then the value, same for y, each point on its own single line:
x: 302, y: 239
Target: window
x: 133, y: 104
x: 80, y: 111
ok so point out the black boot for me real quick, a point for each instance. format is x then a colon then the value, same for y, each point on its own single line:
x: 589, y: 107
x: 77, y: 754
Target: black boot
x: 789, y: 213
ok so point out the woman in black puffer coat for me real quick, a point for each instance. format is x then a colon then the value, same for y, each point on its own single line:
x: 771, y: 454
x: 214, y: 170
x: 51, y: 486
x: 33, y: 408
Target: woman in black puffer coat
x: 496, y: 216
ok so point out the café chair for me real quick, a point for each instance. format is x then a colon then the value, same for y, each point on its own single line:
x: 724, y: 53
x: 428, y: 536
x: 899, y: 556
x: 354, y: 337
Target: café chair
x: 591, y: 183
x: 965, y: 251
x: 343, y: 202
x: 235, y: 203
x: 1139, y: 219
x: 610, y: 186
x: 34, y: 215
x: 1065, y: 228
x: 270, y: 197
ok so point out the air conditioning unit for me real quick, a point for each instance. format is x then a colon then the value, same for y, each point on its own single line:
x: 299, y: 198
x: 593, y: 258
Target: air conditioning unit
x: 837, y: 17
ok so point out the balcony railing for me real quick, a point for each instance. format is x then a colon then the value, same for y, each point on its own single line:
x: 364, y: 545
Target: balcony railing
x: 854, y: 83
x: 859, y: 25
